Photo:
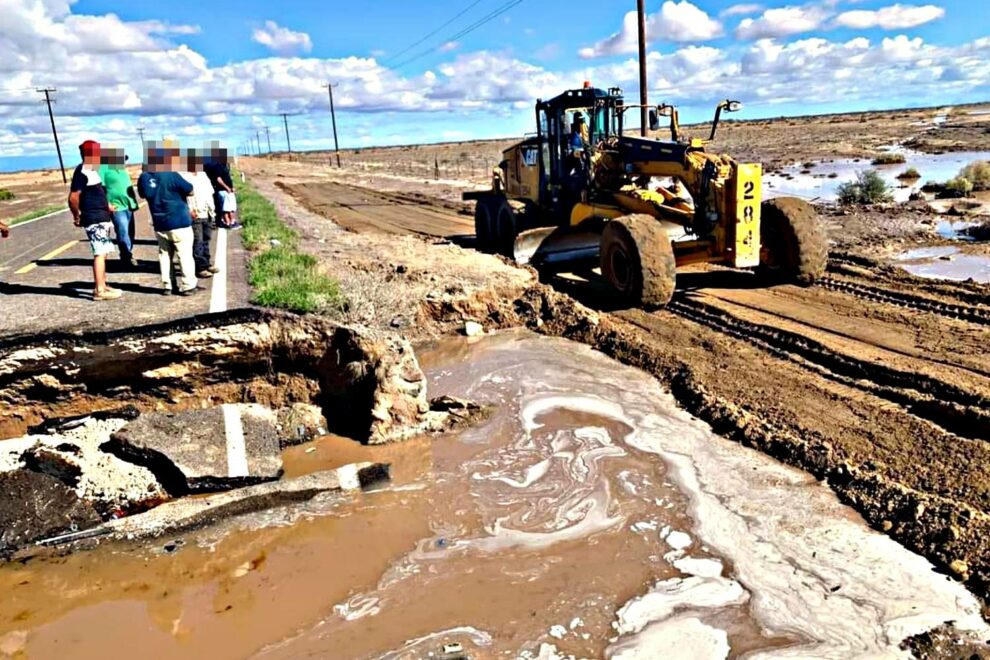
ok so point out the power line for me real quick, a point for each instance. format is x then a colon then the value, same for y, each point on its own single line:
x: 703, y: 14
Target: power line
x: 416, y: 43
x: 48, y: 99
x: 488, y: 18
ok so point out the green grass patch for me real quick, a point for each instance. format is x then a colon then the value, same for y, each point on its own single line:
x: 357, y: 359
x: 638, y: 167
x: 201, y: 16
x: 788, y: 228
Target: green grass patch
x: 6, y: 195
x: 261, y: 223
x: 37, y: 213
x: 282, y: 277
x: 286, y: 279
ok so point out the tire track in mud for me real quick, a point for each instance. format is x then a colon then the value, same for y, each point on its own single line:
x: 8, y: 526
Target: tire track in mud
x: 972, y: 314
x: 949, y: 407
x: 891, y: 280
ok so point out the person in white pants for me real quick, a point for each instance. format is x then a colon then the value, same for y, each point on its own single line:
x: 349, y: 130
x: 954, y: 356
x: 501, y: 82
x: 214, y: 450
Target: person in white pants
x: 166, y: 192
x: 172, y: 243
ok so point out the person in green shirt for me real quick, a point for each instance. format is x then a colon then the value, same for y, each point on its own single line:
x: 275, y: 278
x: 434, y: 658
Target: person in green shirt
x: 123, y: 201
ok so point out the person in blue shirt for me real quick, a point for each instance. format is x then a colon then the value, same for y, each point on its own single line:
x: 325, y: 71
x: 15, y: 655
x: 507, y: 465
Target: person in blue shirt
x: 166, y: 191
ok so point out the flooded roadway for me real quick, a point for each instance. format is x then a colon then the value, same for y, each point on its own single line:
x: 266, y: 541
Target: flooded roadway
x: 588, y: 516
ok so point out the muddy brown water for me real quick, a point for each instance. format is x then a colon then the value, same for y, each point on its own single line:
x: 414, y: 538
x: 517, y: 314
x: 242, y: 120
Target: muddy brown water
x: 588, y: 516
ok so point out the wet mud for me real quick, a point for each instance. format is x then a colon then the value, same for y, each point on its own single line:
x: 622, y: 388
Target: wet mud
x: 587, y: 516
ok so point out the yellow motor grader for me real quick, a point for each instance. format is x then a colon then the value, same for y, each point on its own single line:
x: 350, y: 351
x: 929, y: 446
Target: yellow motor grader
x: 580, y: 193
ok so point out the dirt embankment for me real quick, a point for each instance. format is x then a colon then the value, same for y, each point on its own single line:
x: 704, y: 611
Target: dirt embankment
x: 874, y: 381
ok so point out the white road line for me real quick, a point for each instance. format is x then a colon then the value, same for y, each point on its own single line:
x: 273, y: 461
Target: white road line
x: 233, y: 431
x: 218, y: 294
x: 42, y: 217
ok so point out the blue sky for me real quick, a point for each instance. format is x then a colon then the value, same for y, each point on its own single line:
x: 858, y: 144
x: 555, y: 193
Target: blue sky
x: 199, y: 70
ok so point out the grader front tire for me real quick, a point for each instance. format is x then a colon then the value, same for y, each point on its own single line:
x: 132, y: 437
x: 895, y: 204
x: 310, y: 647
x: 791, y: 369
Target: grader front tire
x: 793, y: 247
x: 637, y: 259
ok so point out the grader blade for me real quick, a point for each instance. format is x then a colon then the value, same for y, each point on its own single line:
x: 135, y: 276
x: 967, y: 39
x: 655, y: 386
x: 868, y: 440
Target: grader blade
x: 556, y: 247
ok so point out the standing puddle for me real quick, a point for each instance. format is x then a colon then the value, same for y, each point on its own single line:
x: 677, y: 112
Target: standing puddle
x: 945, y: 263
x: 588, y: 513
x: 822, y: 180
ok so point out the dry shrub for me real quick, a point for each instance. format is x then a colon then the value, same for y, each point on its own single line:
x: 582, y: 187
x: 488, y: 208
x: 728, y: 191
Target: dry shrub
x: 977, y: 173
x: 889, y: 158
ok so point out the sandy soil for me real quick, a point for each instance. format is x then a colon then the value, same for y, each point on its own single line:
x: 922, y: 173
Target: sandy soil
x: 32, y: 191
x: 38, y: 189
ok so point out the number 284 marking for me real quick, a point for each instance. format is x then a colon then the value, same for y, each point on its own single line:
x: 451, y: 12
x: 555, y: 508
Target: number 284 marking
x: 749, y: 194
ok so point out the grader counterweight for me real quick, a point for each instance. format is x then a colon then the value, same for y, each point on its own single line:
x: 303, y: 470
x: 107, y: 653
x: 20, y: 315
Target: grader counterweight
x: 582, y: 193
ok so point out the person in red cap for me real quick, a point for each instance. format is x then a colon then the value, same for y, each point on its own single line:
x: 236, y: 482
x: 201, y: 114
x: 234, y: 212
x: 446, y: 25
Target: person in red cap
x: 91, y: 211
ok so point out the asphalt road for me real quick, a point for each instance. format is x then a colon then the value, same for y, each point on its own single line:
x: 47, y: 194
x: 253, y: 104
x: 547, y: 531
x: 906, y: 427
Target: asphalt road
x: 46, y: 280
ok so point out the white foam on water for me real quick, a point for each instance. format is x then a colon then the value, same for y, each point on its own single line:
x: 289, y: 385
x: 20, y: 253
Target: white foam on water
x: 668, y: 596
x: 681, y: 638
x: 532, y: 474
x: 588, y: 517
x: 699, y: 566
x: 358, y: 607
x: 417, y: 648
x: 808, y: 566
x: 677, y: 540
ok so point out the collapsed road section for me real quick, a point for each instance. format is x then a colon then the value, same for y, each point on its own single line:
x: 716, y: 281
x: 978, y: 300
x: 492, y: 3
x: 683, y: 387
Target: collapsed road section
x: 102, y: 425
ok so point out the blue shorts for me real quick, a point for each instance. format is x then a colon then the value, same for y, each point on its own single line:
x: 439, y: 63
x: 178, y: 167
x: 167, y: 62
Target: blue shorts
x: 99, y: 239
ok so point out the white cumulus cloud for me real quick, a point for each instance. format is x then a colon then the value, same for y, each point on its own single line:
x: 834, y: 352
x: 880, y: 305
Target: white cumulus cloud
x: 894, y: 17
x: 676, y: 22
x: 282, y: 40
x: 783, y: 22
x: 743, y: 9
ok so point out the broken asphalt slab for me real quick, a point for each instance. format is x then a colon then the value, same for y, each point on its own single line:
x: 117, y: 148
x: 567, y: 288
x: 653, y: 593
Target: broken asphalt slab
x: 197, y: 451
x: 191, y: 513
x: 36, y: 505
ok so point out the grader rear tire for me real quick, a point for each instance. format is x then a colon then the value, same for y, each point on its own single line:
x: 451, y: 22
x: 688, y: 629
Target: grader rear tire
x: 484, y: 225
x: 637, y: 259
x: 505, y: 228
x: 793, y: 247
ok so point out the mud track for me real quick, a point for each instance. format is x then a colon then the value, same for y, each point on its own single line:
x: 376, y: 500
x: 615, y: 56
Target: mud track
x: 874, y: 380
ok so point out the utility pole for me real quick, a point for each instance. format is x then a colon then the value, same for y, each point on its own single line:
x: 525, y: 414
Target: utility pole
x: 643, y: 93
x: 58, y: 149
x: 333, y: 119
x: 288, y: 142
x: 268, y: 134
x: 257, y: 135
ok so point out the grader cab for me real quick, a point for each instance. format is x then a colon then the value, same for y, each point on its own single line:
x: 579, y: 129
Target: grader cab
x: 582, y: 193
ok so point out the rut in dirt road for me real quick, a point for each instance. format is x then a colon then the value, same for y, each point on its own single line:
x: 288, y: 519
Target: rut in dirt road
x: 971, y: 314
x: 952, y: 408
